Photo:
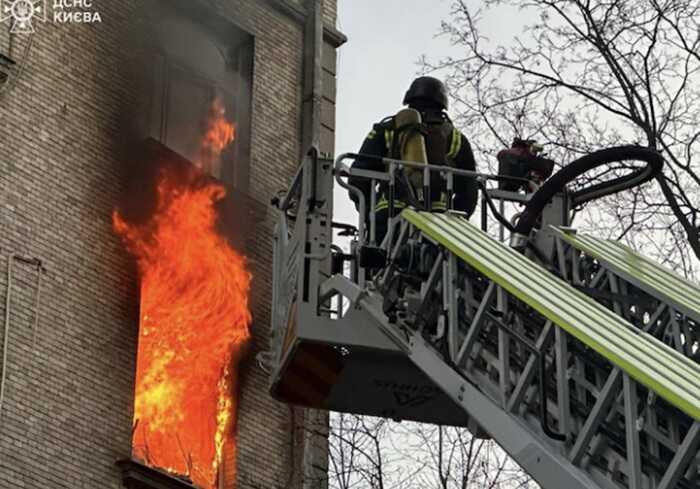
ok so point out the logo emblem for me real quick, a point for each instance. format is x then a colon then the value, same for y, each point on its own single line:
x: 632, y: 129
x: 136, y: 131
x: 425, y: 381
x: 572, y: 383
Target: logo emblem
x: 22, y: 13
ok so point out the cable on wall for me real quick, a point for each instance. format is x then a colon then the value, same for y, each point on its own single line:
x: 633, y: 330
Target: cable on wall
x: 11, y: 81
x: 8, y: 306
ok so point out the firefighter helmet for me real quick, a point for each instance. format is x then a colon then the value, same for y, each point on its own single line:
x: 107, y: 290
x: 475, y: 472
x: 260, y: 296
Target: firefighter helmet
x: 427, y: 90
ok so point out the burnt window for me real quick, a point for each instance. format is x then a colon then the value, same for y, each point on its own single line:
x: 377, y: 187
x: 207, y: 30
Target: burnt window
x: 194, y: 61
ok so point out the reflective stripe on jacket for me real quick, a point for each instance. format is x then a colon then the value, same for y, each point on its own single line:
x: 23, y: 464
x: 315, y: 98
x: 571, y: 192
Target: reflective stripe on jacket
x: 438, y: 205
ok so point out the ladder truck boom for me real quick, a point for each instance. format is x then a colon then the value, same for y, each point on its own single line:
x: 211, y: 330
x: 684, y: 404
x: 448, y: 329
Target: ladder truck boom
x: 578, y: 356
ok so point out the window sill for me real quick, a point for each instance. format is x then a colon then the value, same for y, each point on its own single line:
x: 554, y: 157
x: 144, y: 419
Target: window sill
x: 137, y: 476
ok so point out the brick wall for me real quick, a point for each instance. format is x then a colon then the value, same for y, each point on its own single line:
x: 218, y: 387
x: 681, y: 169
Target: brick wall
x: 66, y: 416
x: 330, y: 12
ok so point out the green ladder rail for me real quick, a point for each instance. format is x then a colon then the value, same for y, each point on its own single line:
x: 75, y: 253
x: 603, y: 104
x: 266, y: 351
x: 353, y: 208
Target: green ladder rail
x: 650, y: 362
x: 639, y: 270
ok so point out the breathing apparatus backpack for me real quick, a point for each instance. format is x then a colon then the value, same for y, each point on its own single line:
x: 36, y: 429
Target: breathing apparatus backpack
x: 423, y: 140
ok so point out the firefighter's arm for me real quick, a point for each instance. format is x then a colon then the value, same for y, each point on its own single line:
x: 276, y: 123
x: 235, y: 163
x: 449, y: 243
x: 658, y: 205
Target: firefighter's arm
x: 466, y: 189
x: 373, y: 145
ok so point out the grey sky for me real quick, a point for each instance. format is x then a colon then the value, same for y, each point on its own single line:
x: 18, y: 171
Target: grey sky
x: 376, y: 66
x: 385, y: 40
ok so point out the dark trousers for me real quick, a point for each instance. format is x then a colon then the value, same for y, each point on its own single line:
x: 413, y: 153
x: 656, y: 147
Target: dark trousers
x: 381, y: 221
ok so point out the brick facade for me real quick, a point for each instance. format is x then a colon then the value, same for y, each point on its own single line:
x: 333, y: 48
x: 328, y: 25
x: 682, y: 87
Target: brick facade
x: 66, y: 416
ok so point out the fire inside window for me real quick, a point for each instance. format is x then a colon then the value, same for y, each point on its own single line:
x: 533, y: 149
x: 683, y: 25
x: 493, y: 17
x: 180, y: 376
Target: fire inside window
x: 195, y: 63
x: 194, y: 316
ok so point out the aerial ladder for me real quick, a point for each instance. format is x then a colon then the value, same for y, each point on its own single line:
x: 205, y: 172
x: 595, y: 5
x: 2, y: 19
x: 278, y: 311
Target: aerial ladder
x: 577, y: 355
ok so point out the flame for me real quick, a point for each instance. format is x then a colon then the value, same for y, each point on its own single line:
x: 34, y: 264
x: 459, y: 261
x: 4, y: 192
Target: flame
x: 194, y: 328
x: 218, y: 134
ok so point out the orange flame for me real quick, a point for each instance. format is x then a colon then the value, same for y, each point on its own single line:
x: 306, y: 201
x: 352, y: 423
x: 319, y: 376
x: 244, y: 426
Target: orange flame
x: 193, y: 329
x: 218, y: 134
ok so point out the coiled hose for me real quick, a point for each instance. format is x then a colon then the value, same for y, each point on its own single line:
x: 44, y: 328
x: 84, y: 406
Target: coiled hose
x: 571, y: 172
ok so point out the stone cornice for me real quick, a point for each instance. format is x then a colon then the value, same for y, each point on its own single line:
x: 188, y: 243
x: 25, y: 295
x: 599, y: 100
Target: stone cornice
x: 330, y: 34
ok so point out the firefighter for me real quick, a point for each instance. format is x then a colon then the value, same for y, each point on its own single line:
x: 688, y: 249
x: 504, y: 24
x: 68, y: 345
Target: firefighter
x: 444, y: 145
x: 523, y: 160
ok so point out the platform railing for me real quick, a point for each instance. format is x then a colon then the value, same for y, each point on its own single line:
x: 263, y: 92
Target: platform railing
x: 395, y: 176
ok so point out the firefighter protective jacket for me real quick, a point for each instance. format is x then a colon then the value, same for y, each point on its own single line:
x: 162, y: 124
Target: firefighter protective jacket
x: 445, y: 145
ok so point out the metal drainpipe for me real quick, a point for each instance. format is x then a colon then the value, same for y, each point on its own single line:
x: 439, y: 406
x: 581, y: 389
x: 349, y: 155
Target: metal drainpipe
x: 312, y: 82
x: 315, y: 450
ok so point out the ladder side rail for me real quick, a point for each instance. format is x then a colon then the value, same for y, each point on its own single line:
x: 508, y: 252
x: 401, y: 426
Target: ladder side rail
x: 617, y: 458
x: 446, y: 289
x: 451, y: 306
x: 535, y: 452
x: 647, y: 314
x: 616, y: 453
x: 596, y: 418
x: 573, y: 308
x: 669, y: 330
x: 618, y: 288
x: 603, y: 404
x: 639, y: 271
x: 682, y: 330
x: 501, y: 357
x: 503, y: 347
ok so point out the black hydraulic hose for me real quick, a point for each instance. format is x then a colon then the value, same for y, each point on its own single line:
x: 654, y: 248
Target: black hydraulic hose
x: 655, y: 163
x: 556, y: 183
x: 504, y: 222
x: 543, y: 401
x: 542, y: 362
